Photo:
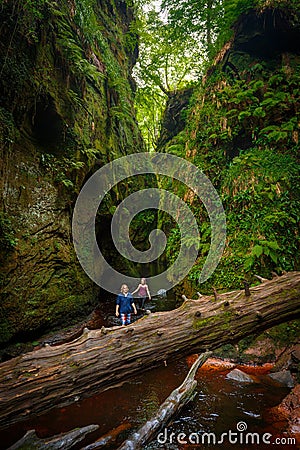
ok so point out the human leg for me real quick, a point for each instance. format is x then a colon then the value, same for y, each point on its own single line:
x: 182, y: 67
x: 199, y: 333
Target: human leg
x: 128, y: 319
x: 143, y: 299
x: 123, y: 318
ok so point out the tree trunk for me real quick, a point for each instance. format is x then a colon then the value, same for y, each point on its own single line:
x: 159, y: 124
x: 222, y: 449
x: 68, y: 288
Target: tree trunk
x: 100, y: 359
x: 172, y: 405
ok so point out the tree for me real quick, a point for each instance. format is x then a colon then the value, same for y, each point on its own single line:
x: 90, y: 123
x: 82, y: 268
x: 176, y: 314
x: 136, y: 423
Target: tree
x: 198, y: 18
x: 177, y: 40
x: 166, y: 63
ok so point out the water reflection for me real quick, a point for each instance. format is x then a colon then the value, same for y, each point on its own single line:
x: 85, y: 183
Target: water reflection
x: 219, y: 405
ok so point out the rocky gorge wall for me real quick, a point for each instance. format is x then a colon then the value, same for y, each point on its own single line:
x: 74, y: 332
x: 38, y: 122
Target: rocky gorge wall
x: 66, y: 109
x: 241, y: 127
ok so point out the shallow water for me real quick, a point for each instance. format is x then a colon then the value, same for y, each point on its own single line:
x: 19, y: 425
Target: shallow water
x: 219, y: 406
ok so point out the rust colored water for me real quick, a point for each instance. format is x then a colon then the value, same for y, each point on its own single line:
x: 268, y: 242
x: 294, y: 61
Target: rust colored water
x: 219, y: 405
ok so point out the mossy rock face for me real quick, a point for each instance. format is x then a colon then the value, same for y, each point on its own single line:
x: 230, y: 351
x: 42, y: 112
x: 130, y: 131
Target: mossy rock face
x: 242, y: 130
x: 267, y: 347
x: 67, y: 109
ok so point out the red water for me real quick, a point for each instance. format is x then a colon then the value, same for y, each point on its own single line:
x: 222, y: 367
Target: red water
x: 219, y: 405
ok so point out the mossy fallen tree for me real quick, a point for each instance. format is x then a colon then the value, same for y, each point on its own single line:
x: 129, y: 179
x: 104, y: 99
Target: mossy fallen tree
x: 101, y: 359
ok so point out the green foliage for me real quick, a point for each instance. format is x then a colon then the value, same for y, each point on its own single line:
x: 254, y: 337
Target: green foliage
x: 6, y: 328
x: 244, y: 135
x: 178, y: 42
x: 200, y: 18
x: 61, y: 170
x: 167, y: 62
x: 8, y: 239
x: 150, y: 103
x: 8, y: 131
x: 31, y: 14
x: 285, y: 333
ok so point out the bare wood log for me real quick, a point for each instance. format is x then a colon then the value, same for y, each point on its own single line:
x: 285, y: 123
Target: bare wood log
x: 56, y: 376
x: 261, y: 279
x: 215, y: 293
x: 173, y: 404
x: 109, y: 438
x: 61, y: 441
x: 247, y: 288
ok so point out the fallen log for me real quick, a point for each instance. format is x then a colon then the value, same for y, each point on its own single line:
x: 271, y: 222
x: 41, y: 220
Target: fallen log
x: 58, y: 375
x: 108, y: 439
x: 63, y: 441
x: 172, y: 405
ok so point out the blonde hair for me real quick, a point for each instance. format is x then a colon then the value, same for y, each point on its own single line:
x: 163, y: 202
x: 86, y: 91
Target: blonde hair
x: 124, y: 286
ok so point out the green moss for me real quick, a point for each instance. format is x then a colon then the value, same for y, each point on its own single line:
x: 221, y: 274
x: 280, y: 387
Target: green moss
x: 244, y: 135
x: 68, y: 69
x: 285, y: 334
x: 74, y: 365
x: 200, y: 323
x: 226, y: 351
x: 226, y: 319
x: 8, y: 239
x: 6, y: 327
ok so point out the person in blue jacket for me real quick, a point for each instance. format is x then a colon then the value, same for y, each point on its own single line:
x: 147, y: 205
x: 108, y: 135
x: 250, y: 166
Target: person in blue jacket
x: 125, y: 305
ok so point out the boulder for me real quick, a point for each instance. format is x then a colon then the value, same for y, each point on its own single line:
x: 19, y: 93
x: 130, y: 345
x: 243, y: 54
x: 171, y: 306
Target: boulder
x: 240, y: 376
x: 162, y: 293
x: 289, y: 410
x: 283, y: 377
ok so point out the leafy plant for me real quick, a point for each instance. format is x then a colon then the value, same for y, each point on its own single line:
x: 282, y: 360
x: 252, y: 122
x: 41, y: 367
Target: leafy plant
x: 8, y: 240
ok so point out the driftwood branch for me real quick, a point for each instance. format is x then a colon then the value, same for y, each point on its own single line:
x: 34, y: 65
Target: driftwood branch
x: 174, y: 403
x: 247, y: 288
x: 108, y: 439
x: 261, y: 279
x: 63, y: 441
x: 215, y: 293
x: 57, y: 375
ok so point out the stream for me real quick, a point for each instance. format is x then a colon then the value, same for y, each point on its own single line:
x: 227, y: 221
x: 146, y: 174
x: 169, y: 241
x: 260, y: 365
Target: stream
x: 220, y: 405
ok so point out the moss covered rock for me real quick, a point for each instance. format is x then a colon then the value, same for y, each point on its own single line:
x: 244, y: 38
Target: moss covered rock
x: 66, y: 109
x: 242, y: 130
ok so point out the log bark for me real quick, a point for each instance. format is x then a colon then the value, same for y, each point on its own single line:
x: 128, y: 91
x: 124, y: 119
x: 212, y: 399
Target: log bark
x: 99, y: 359
x: 172, y: 405
x: 62, y: 441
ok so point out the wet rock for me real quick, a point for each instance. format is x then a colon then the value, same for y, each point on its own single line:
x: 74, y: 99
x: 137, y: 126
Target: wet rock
x: 173, y: 119
x: 289, y: 410
x: 291, y: 404
x: 284, y: 377
x: 296, y: 354
x: 294, y: 363
x: 238, y: 375
x: 287, y: 359
x: 162, y: 293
